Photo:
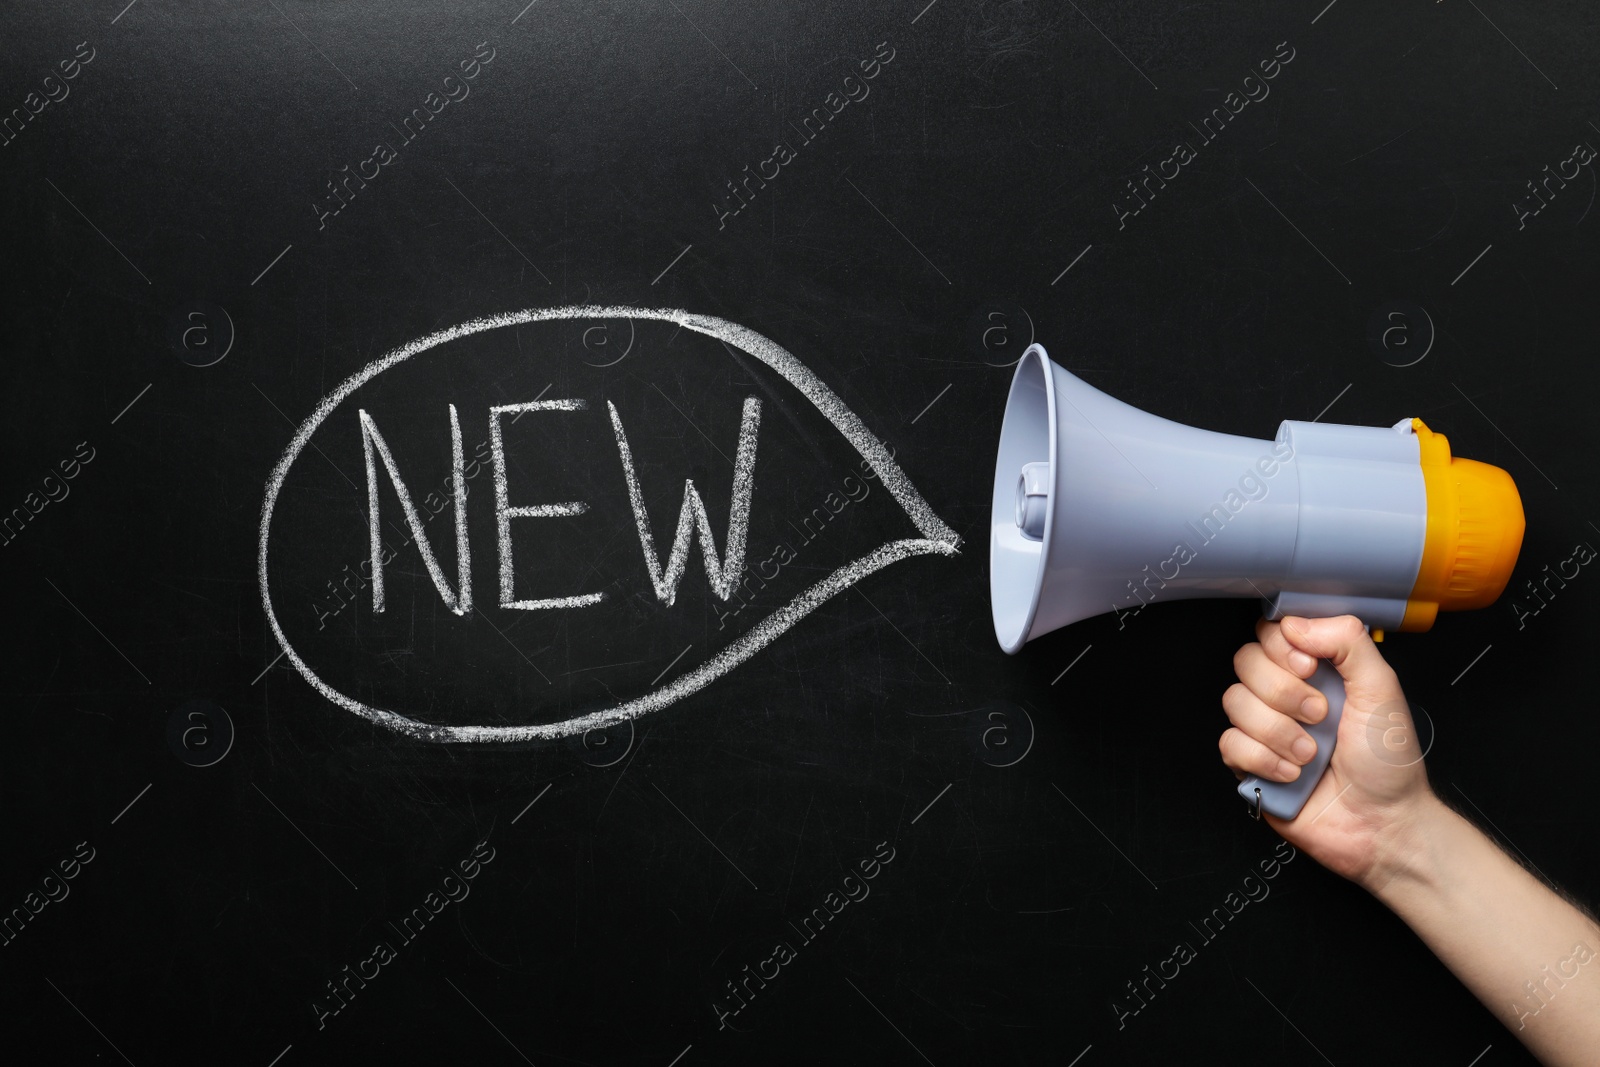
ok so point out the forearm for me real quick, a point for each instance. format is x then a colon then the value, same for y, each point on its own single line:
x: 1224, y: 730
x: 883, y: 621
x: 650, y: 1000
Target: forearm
x: 1531, y: 957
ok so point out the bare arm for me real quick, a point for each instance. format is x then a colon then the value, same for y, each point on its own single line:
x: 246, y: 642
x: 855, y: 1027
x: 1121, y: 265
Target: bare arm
x: 1528, y: 954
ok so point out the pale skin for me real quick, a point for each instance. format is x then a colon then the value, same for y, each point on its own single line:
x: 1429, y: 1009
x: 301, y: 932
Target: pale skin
x: 1529, y: 955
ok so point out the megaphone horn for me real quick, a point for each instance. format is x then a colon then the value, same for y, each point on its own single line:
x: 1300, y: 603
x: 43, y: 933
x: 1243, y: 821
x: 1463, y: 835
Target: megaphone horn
x: 1101, y: 507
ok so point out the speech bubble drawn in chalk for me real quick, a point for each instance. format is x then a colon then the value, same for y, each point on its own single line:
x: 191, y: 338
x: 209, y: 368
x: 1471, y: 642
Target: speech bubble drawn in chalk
x: 937, y: 537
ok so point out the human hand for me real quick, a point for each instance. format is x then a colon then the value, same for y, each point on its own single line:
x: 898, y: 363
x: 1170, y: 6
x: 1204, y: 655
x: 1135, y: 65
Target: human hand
x: 1370, y: 796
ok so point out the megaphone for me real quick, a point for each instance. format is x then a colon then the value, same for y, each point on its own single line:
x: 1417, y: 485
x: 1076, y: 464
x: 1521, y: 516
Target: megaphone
x: 1101, y: 507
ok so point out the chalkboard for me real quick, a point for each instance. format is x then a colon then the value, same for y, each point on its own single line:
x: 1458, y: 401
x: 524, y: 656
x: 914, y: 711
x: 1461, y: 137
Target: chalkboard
x: 687, y: 328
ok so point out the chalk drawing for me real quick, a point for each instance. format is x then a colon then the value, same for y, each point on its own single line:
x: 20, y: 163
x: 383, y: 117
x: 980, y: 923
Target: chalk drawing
x: 692, y: 516
x: 370, y: 438
x: 504, y: 512
x: 937, y: 537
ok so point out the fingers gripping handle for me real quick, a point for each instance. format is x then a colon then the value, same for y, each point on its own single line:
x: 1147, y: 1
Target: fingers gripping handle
x: 1285, y: 799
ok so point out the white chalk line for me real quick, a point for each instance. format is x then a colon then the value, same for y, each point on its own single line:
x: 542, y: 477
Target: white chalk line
x: 504, y: 512
x: 938, y: 537
x: 692, y: 516
x: 554, y: 602
x: 370, y: 438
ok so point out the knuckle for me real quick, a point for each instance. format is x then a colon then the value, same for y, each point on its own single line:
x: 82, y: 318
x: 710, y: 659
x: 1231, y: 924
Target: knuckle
x: 1284, y: 734
x: 1290, y: 694
x: 1270, y: 730
x: 1242, y: 752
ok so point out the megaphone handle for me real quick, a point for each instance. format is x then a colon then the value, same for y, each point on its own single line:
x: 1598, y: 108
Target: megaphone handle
x: 1285, y: 799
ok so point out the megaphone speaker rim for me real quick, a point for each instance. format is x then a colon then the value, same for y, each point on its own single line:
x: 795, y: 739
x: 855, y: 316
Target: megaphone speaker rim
x: 1017, y: 563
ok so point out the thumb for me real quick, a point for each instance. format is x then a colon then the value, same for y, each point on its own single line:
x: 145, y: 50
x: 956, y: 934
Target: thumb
x: 1344, y: 642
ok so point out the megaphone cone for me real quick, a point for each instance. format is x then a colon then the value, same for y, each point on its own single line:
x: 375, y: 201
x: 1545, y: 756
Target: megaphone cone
x: 1119, y: 491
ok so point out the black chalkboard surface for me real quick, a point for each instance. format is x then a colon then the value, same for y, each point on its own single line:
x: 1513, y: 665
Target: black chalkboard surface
x: 266, y: 260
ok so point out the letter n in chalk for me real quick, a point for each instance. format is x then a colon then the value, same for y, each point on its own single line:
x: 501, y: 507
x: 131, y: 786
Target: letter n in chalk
x: 372, y: 440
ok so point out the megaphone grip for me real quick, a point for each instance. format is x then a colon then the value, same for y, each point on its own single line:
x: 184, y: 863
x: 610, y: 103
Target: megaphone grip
x: 1285, y: 799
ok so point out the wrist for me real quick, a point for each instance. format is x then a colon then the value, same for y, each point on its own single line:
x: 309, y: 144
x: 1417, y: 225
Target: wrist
x: 1410, y: 849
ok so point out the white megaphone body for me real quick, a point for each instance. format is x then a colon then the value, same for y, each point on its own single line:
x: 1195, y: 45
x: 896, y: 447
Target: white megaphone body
x: 1100, y: 507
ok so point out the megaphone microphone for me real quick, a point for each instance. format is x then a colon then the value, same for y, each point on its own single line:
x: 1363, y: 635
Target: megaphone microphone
x: 1101, y: 507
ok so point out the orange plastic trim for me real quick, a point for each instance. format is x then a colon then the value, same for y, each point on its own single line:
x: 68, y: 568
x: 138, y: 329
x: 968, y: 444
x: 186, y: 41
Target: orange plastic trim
x: 1474, y: 531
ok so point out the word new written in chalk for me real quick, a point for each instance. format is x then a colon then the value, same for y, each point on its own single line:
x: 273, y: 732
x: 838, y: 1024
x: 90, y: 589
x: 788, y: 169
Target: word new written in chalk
x: 693, y: 521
